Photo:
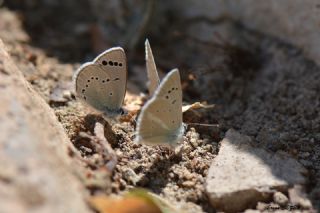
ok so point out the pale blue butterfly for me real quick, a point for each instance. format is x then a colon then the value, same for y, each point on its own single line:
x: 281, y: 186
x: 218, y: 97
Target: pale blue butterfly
x: 101, y: 84
x: 160, y: 120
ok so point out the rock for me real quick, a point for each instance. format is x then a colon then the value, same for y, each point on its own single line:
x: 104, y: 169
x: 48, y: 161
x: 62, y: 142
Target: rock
x: 299, y: 197
x: 270, y: 17
x: 61, y: 93
x: 252, y: 211
x: 188, y: 184
x: 261, y: 206
x: 36, y: 172
x: 130, y: 176
x: 241, y: 175
x: 280, y: 199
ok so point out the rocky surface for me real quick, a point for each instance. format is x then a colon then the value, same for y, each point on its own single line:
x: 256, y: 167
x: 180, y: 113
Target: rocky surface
x: 34, y: 166
x: 292, y: 21
x: 241, y: 174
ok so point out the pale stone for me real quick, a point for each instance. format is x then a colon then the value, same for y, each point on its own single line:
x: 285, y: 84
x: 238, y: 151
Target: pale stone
x: 36, y: 172
x: 280, y: 198
x: 241, y: 175
x: 299, y: 197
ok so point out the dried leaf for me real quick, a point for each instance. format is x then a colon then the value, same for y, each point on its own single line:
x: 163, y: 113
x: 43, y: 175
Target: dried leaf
x: 196, y: 105
x: 130, y: 204
x: 161, y: 203
x: 136, y: 201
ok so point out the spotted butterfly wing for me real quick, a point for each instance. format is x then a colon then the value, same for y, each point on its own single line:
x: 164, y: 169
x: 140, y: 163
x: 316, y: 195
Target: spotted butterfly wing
x: 153, y: 78
x: 102, y: 83
x: 160, y: 120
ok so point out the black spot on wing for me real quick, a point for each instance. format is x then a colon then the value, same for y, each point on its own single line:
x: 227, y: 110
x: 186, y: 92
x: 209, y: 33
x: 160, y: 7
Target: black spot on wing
x: 111, y: 63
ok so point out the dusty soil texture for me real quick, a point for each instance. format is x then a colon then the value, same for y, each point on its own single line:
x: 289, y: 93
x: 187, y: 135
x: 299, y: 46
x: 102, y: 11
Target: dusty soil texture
x: 261, y: 86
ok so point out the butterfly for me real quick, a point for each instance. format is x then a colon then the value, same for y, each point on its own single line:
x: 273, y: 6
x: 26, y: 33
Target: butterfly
x: 101, y: 84
x: 160, y: 120
x: 153, y: 78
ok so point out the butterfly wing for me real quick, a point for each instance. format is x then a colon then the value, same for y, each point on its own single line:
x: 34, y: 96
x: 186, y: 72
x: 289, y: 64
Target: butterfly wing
x: 160, y: 120
x: 153, y: 78
x: 102, y: 83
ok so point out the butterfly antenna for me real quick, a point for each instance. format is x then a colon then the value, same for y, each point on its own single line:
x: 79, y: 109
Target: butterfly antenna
x: 208, y: 125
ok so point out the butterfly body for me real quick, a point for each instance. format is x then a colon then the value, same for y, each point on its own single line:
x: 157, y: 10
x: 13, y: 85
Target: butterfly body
x: 101, y: 84
x: 160, y: 120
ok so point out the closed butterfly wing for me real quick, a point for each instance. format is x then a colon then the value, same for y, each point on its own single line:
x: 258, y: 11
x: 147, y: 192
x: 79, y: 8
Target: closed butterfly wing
x: 102, y: 83
x: 160, y: 120
x: 153, y: 78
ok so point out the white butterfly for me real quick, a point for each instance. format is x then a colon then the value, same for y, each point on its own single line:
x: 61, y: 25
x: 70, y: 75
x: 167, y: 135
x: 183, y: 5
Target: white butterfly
x: 160, y: 120
x: 153, y: 78
x: 102, y: 83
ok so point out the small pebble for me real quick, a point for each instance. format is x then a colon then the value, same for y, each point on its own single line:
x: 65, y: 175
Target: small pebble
x: 171, y: 175
x: 131, y: 176
x: 187, y: 175
x: 261, y: 206
x: 252, y: 211
x: 280, y: 198
x: 67, y: 94
x: 188, y: 184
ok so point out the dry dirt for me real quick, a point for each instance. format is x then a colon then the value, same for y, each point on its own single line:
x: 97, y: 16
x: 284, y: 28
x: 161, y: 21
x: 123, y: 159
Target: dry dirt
x: 261, y: 86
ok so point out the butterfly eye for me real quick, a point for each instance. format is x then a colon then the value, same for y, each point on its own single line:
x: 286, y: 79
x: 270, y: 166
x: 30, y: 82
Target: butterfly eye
x: 104, y: 62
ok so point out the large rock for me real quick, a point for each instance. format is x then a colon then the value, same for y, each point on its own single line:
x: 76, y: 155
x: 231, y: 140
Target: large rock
x: 293, y: 21
x: 35, y: 169
x: 241, y: 175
